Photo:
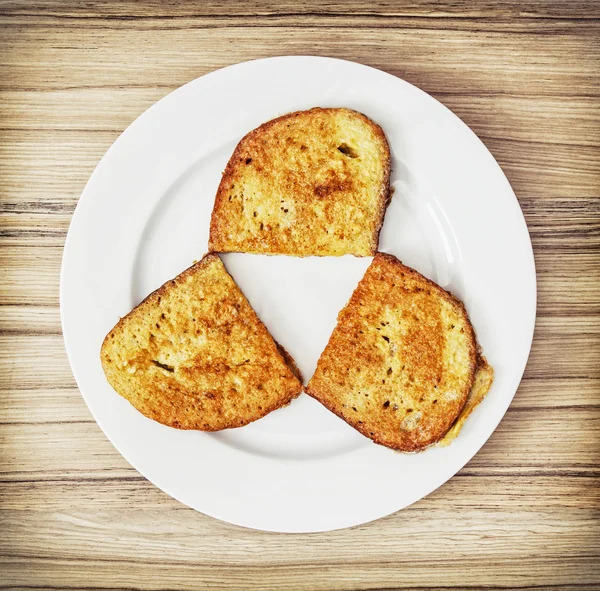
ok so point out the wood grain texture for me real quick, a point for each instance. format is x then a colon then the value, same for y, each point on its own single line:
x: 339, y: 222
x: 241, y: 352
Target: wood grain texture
x: 523, y: 514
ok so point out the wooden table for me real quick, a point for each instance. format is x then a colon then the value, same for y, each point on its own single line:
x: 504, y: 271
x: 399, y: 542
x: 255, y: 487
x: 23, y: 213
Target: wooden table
x: 524, y: 513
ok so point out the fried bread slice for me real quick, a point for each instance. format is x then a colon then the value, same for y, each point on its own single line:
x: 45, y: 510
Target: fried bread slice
x: 401, y: 361
x: 313, y: 182
x: 484, y: 376
x: 194, y: 354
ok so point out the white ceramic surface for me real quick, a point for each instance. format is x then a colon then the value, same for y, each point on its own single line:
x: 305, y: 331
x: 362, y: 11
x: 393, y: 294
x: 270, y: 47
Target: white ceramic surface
x: 143, y: 217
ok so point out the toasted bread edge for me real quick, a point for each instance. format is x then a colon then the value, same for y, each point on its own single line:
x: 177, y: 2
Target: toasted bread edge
x: 484, y: 378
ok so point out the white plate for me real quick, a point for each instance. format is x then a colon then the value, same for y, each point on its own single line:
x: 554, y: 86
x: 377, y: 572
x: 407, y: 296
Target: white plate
x: 143, y: 217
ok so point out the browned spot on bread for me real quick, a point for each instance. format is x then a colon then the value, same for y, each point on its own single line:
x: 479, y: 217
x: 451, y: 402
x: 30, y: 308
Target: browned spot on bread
x: 333, y: 186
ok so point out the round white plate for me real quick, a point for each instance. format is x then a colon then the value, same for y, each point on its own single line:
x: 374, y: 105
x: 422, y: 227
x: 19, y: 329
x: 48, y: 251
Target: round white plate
x: 144, y: 216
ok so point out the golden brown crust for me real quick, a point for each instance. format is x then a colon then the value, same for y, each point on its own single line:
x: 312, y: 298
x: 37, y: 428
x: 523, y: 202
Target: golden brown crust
x: 290, y: 361
x: 385, y: 197
x: 484, y: 377
x: 293, y: 186
x: 194, y: 355
x: 401, y: 361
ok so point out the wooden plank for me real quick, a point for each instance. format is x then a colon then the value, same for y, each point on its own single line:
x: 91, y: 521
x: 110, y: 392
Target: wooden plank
x: 33, y: 229
x: 228, y: 558
x: 185, y: 535
x: 32, y: 361
x: 30, y: 275
x: 66, y: 450
x: 554, y: 336
x: 59, y: 405
x: 557, y: 392
x: 396, y: 572
x: 109, y: 110
x: 44, y: 171
x: 547, y: 171
x: 347, y: 9
x: 34, y: 320
x: 555, y: 121
x: 466, y: 62
x: 505, y: 24
x: 530, y: 441
x: 463, y: 492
